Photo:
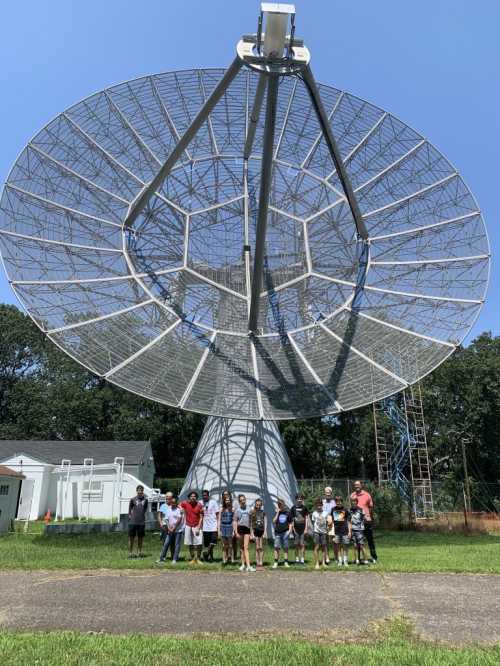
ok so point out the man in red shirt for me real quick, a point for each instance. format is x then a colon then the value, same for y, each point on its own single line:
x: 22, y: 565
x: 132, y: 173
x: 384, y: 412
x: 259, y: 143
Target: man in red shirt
x: 365, y: 503
x: 193, y: 536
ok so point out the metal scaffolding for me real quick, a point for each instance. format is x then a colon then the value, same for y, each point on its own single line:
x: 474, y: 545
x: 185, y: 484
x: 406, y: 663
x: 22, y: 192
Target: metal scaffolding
x: 401, y: 447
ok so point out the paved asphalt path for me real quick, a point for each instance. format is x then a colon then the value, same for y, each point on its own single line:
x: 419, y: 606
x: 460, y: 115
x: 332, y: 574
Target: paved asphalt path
x: 451, y: 607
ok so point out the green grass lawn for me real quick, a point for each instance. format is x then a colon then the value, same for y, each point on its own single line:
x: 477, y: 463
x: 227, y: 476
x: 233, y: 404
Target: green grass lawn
x: 398, y: 551
x: 392, y: 643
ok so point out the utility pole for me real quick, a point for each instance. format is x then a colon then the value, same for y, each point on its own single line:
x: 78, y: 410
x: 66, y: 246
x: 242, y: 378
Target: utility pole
x: 467, y: 501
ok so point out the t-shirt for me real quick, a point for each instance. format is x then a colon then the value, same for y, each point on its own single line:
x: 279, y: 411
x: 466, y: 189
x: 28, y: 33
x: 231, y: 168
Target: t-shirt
x: 328, y: 505
x: 172, y: 515
x: 192, y: 513
x: 210, y: 511
x: 243, y: 517
x: 320, y: 521
x: 258, y: 519
x: 341, y: 517
x: 357, y: 519
x: 299, y: 514
x: 365, y: 502
x: 283, y: 521
x: 137, y: 508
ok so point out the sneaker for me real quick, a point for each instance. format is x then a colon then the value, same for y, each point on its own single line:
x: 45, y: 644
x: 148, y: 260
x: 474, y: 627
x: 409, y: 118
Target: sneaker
x: 160, y: 561
x: 174, y: 561
x: 317, y: 566
x: 327, y: 561
x: 242, y: 567
x: 374, y: 560
x: 366, y: 562
x: 339, y: 563
x: 286, y: 565
x: 275, y: 565
x: 297, y: 560
x: 358, y: 562
x: 346, y: 563
x: 250, y: 569
x: 302, y: 562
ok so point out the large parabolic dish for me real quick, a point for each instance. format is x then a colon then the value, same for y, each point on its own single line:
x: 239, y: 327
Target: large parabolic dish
x: 159, y: 303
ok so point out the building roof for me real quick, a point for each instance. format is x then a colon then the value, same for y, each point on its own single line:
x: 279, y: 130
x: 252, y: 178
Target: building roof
x: 7, y: 471
x: 54, y: 451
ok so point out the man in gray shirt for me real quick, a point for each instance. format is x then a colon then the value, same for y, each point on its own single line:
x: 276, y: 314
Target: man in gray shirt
x: 137, y: 508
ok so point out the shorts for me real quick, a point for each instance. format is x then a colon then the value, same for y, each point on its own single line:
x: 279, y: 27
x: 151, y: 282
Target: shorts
x: 226, y: 531
x: 299, y: 538
x: 281, y: 540
x: 242, y: 530
x: 341, y: 539
x: 191, y: 538
x: 137, y: 531
x: 209, y: 539
x: 258, y: 533
x: 358, y: 537
x: 320, y: 539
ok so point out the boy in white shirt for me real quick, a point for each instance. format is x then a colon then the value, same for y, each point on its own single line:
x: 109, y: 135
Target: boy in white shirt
x: 321, y: 520
x: 210, y: 522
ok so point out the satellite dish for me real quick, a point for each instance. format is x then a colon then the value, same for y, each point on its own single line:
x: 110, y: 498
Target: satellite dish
x: 244, y: 243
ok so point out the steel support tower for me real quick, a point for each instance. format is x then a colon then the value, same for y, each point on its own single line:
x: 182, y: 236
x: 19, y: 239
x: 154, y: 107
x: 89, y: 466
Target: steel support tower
x: 401, y: 447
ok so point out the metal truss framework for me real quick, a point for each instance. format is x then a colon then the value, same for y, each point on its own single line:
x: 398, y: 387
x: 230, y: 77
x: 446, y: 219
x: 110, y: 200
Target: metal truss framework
x: 401, y: 447
x: 374, y: 261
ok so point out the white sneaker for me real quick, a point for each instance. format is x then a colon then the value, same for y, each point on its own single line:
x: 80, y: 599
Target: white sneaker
x: 275, y: 565
x: 317, y: 566
x: 249, y: 569
x: 242, y: 568
x: 357, y: 562
x: 327, y: 561
x: 302, y: 561
x: 339, y: 563
x: 346, y: 563
x: 297, y: 560
x: 174, y: 561
x: 286, y: 565
x: 365, y: 562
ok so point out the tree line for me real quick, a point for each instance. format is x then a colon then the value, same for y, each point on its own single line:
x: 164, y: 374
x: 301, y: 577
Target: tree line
x: 44, y: 394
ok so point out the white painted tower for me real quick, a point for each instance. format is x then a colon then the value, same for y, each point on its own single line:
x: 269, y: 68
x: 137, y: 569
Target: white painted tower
x: 245, y: 457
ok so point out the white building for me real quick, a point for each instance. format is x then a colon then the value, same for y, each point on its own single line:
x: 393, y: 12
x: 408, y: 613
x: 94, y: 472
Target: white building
x: 78, y: 479
x: 10, y: 482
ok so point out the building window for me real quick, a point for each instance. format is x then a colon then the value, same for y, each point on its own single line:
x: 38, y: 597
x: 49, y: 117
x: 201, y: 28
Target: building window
x: 4, y: 490
x: 92, y: 490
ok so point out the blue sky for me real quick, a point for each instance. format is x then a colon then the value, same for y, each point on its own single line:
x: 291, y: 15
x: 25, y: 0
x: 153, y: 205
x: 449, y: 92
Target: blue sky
x: 435, y: 64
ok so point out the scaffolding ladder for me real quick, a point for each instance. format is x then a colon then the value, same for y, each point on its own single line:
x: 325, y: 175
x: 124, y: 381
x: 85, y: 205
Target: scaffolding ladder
x: 401, y: 449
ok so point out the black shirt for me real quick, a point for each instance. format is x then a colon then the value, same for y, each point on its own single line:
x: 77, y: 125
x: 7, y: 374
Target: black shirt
x: 341, y: 518
x: 283, y: 521
x: 298, y: 514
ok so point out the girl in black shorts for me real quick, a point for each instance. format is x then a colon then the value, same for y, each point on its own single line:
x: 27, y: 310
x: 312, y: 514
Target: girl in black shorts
x: 258, y: 525
x: 242, y: 529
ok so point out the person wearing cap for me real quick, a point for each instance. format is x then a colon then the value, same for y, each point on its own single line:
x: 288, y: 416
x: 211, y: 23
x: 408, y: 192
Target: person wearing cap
x: 329, y: 506
x: 365, y: 502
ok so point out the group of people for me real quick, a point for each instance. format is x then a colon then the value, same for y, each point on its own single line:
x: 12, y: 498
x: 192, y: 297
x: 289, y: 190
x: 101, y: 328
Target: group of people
x: 201, y: 523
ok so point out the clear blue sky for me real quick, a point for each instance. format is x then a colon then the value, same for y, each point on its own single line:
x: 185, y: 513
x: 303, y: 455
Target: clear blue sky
x: 433, y: 63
